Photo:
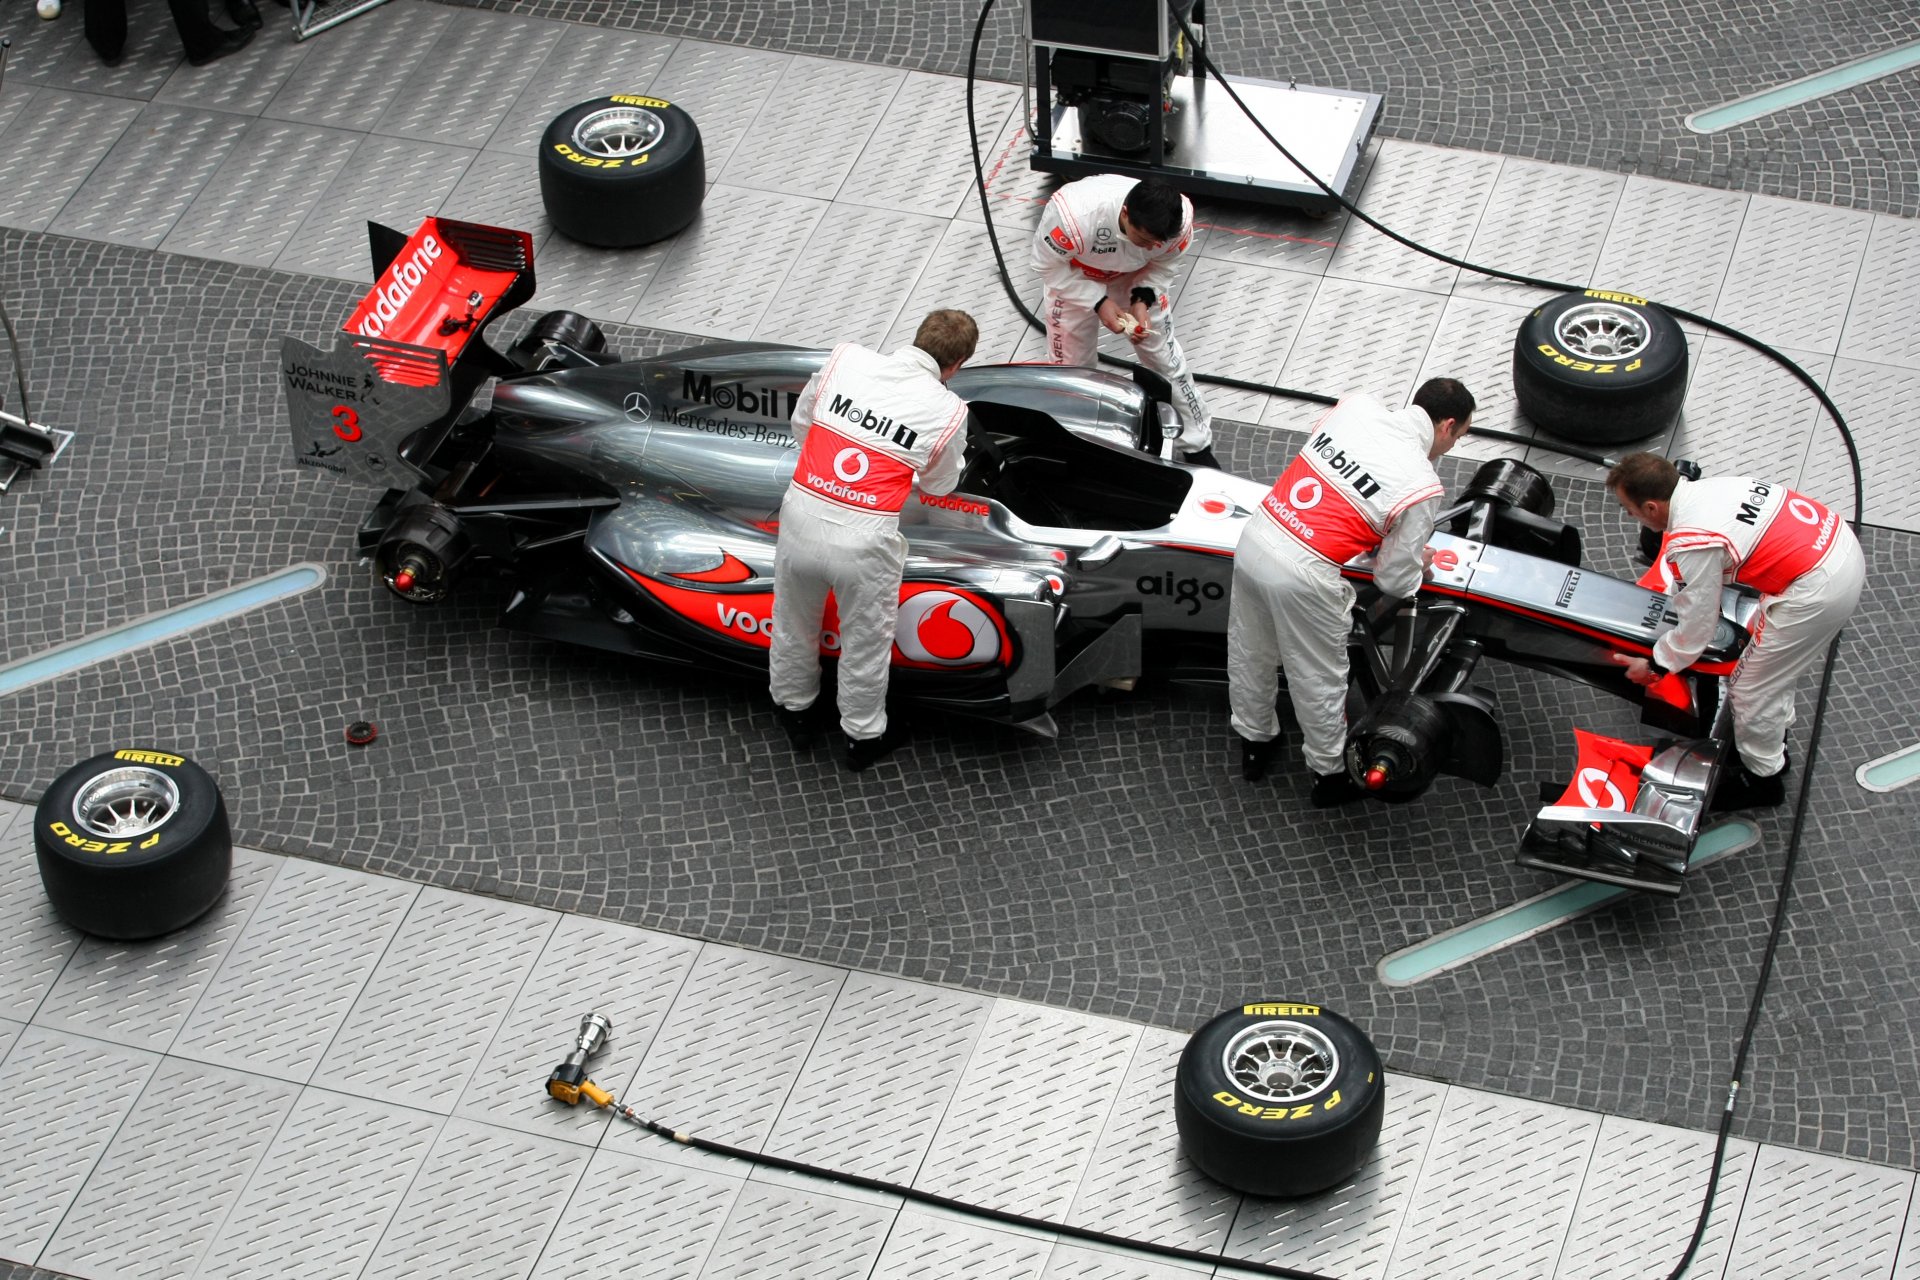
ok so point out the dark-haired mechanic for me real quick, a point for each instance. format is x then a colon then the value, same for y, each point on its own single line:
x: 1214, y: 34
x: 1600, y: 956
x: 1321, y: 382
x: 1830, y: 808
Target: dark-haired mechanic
x: 1803, y: 560
x: 1106, y: 248
x: 1363, y: 482
x: 872, y: 428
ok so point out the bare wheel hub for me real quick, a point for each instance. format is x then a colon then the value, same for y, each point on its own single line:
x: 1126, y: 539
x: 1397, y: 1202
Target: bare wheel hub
x: 1603, y: 331
x: 619, y: 133
x: 1280, y: 1062
x: 123, y: 803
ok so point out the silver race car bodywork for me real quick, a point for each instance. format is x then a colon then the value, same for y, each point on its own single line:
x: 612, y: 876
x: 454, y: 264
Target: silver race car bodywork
x: 633, y: 506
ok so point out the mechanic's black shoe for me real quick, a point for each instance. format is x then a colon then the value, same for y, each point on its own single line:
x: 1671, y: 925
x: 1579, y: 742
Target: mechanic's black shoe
x: 244, y: 14
x: 229, y: 42
x: 1201, y: 458
x: 1740, y: 789
x: 862, y: 752
x: 803, y: 727
x: 1256, y: 757
x: 1331, y: 790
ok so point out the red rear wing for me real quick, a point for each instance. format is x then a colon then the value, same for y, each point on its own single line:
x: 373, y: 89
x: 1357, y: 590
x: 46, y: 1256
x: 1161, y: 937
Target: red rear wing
x: 439, y: 291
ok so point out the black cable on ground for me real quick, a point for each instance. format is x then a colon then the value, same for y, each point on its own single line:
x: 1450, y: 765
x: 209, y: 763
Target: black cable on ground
x: 1784, y: 893
x: 958, y: 1206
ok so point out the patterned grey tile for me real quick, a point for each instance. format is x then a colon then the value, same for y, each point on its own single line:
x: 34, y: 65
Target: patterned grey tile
x: 501, y: 189
x: 393, y: 181
x: 1138, y: 1185
x: 1474, y: 343
x: 9, y: 1033
x: 139, y: 993
x: 585, y: 63
x: 151, y: 53
x: 961, y: 274
x: 1880, y: 324
x: 153, y: 173
x: 358, y: 68
x: 772, y: 1230
x: 1076, y: 1261
x: 173, y: 1170
x: 1671, y: 243
x: 1546, y: 221
x: 930, y: 1244
x: 1789, y: 1220
x: 807, y: 136
x: 1350, y: 1230
x: 13, y: 100
x: 1637, y: 1166
x: 722, y: 88
x: 1004, y: 1143
x: 432, y: 1004
x: 1240, y: 320
x: 1441, y: 193
x: 848, y: 283
x: 1268, y: 237
x: 484, y: 1204
x: 35, y: 944
x: 460, y: 92
x: 1357, y: 337
x: 906, y: 1046
x: 1016, y: 192
x: 728, y: 266
x: 918, y: 160
x: 329, y: 1181
x: 258, y: 198
x: 50, y: 147
x: 1793, y: 273
x: 289, y: 980
x: 46, y: 1152
x: 1877, y: 400
x: 1745, y: 415
x: 605, y: 284
x: 40, y: 49
x: 1511, y: 1168
x: 629, y: 975
x: 684, y: 1209
x: 242, y: 83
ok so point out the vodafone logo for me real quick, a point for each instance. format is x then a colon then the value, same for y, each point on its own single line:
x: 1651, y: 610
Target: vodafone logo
x: 851, y: 464
x: 1802, y: 510
x: 1589, y: 779
x: 945, y: 629
x: 1306, y: 493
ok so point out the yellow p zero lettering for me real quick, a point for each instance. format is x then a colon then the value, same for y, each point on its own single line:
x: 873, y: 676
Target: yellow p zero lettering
x: 60, y: 828
x: 150, y: 757
x: 1610, y: 296
x: 150, y: 841
x: 1332, y: 1102
x: 1633, y: 366
x: 1226, y: 1099
x: 1301, y: 1112
x: 630, y: 100
x: 1280, y: 1010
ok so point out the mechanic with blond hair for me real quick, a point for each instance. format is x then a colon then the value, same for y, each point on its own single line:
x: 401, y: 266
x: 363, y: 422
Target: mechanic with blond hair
x: 1803, y: 560
x: 1364, y: 481
x: 1106, y: 249
x: 871, y: 428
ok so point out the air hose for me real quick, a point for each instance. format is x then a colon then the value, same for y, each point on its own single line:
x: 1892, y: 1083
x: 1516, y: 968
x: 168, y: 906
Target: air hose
x: 1784, y: 893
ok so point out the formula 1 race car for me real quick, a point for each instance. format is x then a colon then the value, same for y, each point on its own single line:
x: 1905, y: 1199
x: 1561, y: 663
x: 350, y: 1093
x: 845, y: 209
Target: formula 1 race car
x: 632, y: 505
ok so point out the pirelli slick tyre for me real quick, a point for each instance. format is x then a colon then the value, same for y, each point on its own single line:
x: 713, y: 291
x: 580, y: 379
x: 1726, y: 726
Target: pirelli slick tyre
x: 621, y: 171
x: 1600, y: 367
x: 1279, y: 1098
x: 133, y: 844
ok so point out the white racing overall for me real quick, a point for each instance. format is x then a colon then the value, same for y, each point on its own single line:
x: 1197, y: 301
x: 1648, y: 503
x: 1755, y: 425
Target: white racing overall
x: 1083, y: 256
x: 1808, y: 567
x: 1362, y: 481
x: 867, y: 425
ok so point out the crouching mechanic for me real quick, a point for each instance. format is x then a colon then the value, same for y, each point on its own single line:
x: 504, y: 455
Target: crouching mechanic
x: 869, y: 427
x: 1803, y: 560
x: 1363, y: 482
x: 1106, y: 248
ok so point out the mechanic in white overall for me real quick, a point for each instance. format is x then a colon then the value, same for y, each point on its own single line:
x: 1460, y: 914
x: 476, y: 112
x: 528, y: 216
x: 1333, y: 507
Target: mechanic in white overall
x: 870, y: 427
x: 1803, y: 560
x: 1106, y: 248
x: 1364, y: 481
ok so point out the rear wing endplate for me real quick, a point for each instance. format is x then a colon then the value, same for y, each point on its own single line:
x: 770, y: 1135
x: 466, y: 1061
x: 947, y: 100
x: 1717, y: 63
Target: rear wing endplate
x: 411, y: 355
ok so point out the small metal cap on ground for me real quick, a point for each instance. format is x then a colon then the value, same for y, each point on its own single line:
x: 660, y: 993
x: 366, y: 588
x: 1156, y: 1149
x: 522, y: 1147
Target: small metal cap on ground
x: 361, y: 732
